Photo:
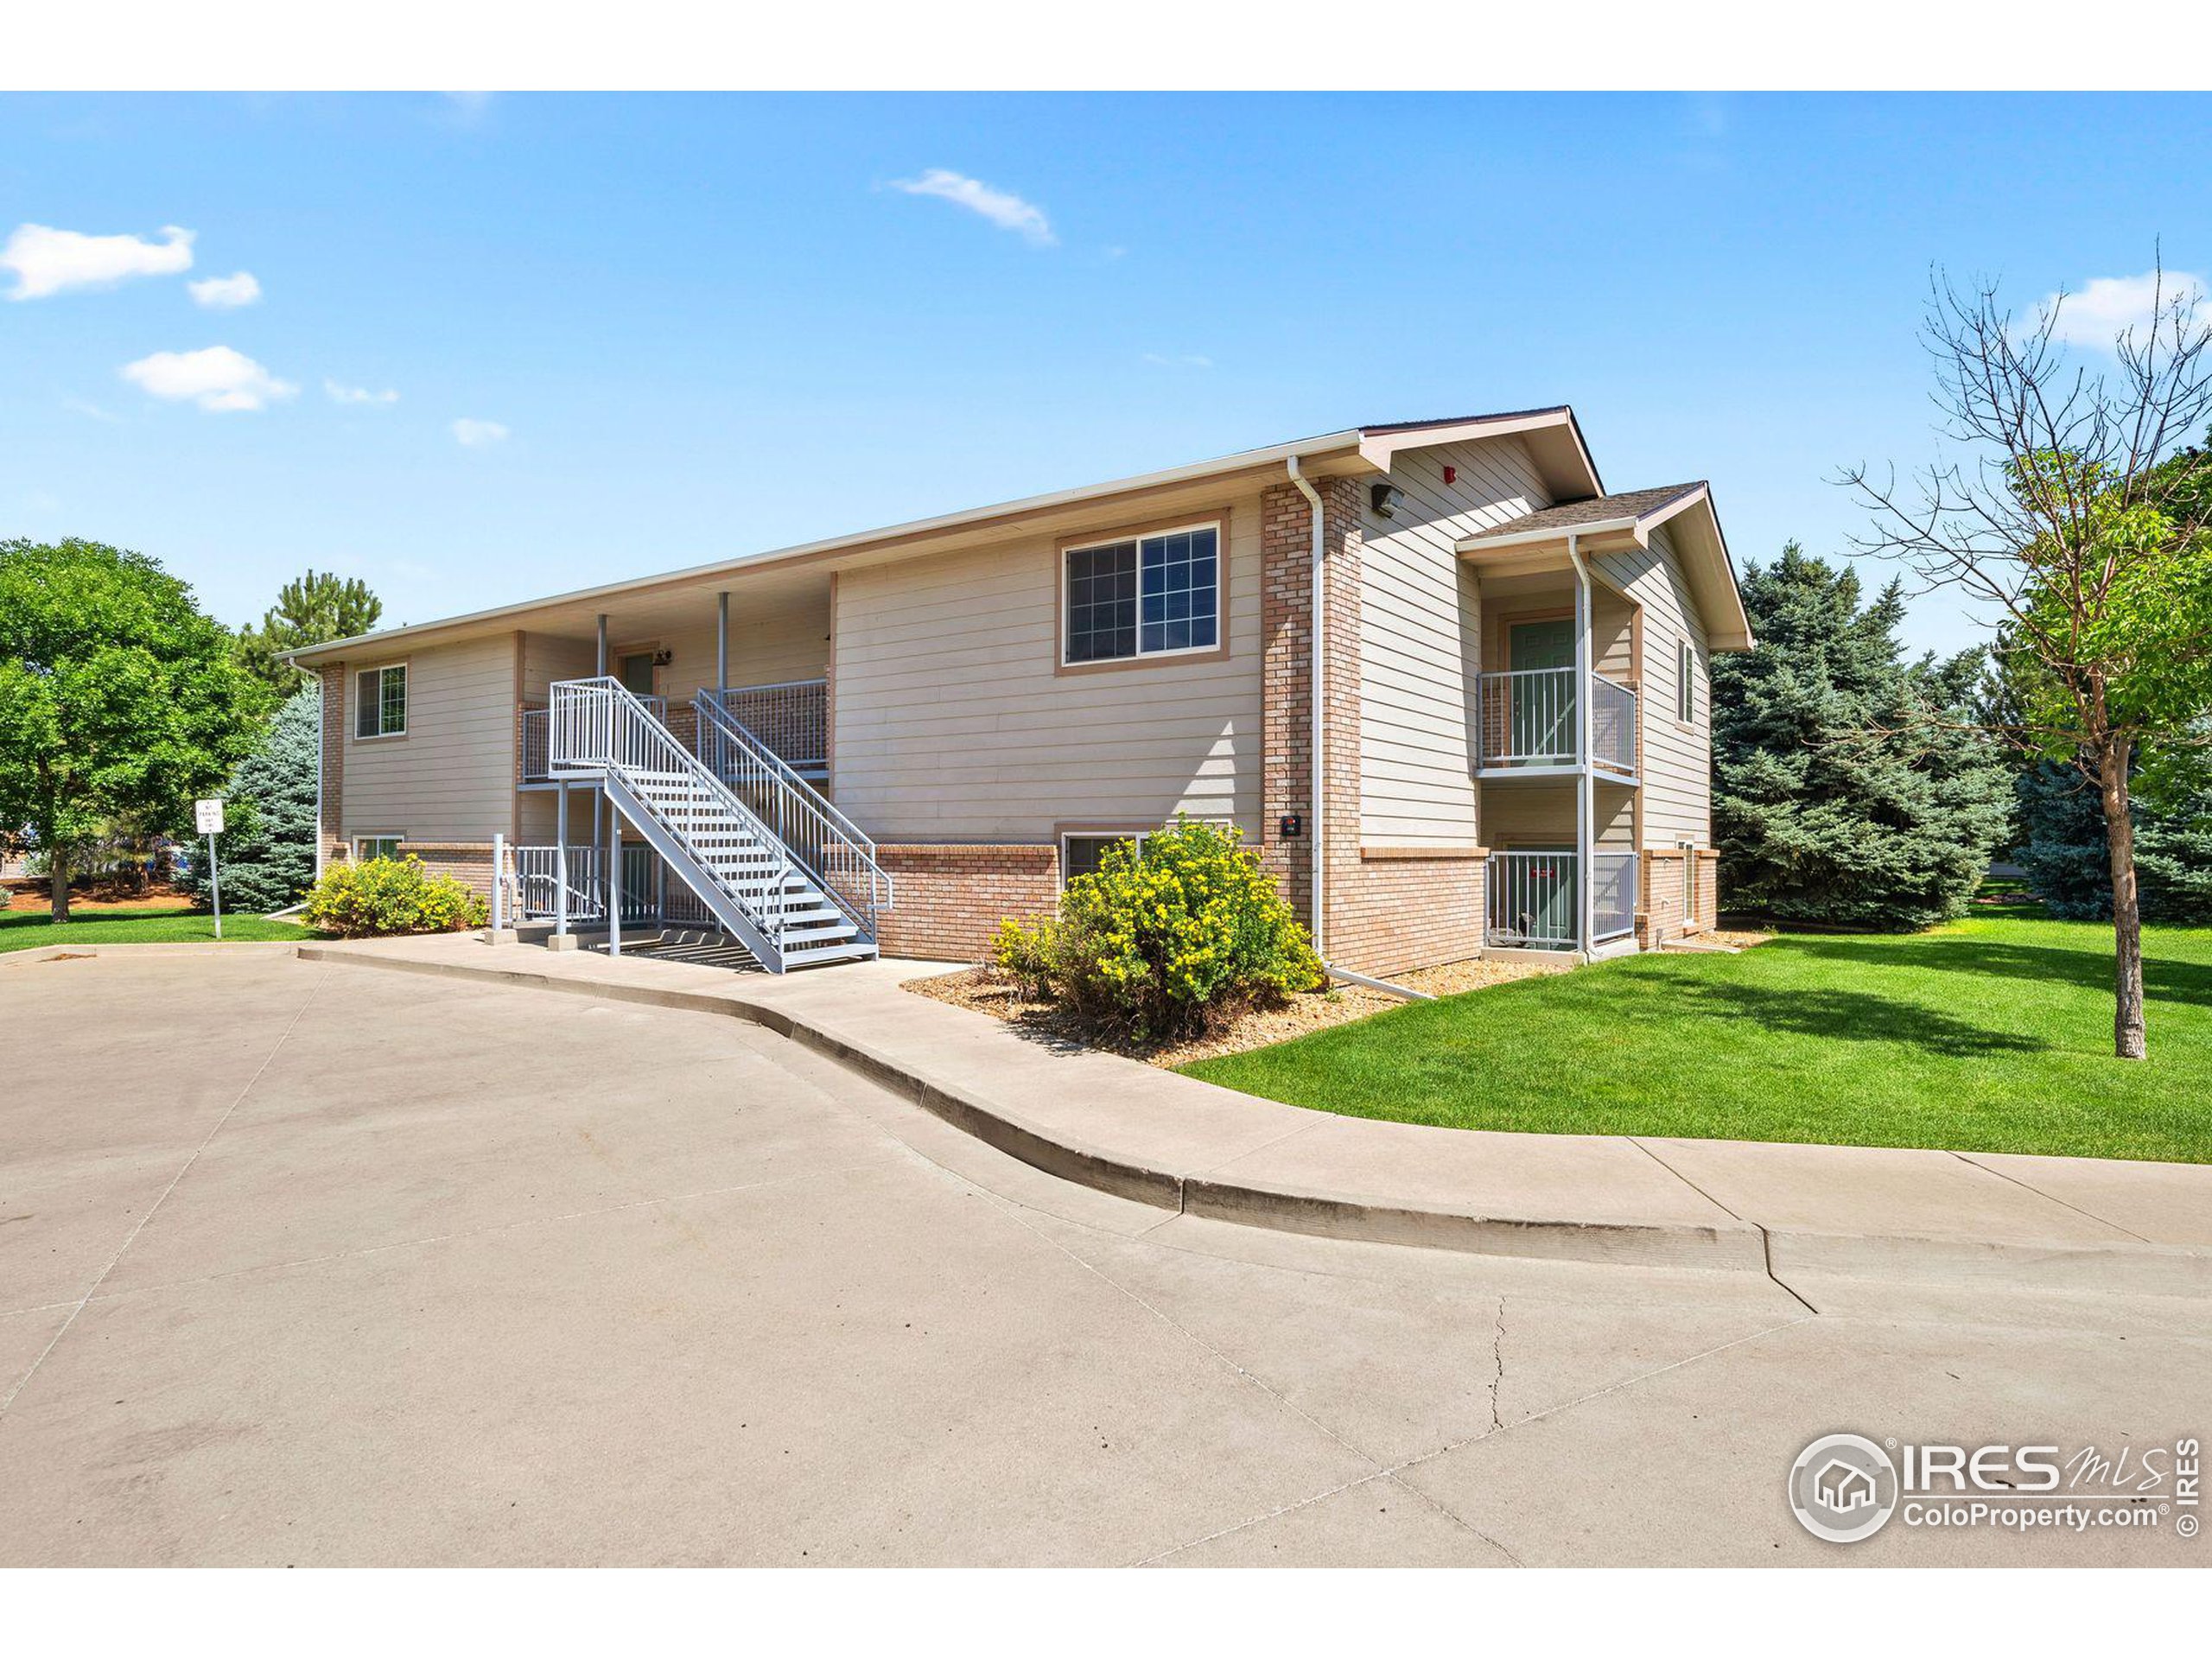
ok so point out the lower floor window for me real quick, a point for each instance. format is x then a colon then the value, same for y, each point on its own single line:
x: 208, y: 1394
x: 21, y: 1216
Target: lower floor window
x: 1084, y: 854
x: 369, y: 847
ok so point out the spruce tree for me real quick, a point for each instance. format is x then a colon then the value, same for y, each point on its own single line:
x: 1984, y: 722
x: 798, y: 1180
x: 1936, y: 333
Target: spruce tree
x: 2062, y: 843
x: 1838, y: 799
x: 266, y: 852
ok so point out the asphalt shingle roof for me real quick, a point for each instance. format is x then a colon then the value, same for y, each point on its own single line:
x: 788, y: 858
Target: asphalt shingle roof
x: 1595, y: 509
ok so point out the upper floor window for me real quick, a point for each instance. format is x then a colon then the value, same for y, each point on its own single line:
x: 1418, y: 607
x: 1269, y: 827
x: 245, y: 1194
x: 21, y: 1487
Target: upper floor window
x: 1686, y: 682
x: 381, y: 702
x: 1146, y: 596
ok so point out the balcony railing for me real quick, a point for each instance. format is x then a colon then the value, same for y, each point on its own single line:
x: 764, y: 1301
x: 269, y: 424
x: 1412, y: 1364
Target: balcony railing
x: 648, y: 895
x: 791, y: 717
x: 1530, y: 717
x: 1532, y: 903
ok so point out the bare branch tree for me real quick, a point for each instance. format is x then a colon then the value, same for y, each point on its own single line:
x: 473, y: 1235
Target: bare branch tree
x: 2077, y: 509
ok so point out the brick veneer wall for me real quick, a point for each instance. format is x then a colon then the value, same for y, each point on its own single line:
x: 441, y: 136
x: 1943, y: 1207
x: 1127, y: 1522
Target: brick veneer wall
x: 469, y: 862
x: 1401, y: 912
x: 1384, y: 913
x: 1659, y: 911
x: 331, y: 829
x: 1662, y: 914
x: 951, y: 897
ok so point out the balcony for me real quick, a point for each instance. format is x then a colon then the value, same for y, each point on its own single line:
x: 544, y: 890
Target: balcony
x: 1532, y: 901
x: 1531, y: 724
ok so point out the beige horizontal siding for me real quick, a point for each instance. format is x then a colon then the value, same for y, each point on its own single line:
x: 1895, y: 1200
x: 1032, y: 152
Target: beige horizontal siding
x: 951, y: 723
x: 1420, y: 628
x: 451, y: 777
x: 1677, y: 761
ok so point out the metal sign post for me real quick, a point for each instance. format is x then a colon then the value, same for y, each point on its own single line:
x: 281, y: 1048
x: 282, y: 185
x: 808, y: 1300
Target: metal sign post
x: 207, y: 815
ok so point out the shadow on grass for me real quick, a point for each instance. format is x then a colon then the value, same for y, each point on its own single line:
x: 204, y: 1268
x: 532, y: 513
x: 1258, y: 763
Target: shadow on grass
x: 2163, y: 980
x: 1856, y: 1016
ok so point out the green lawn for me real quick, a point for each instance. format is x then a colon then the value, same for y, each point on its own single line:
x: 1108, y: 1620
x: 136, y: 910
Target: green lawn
x: 29, y: 930
x: 1991, y: 1035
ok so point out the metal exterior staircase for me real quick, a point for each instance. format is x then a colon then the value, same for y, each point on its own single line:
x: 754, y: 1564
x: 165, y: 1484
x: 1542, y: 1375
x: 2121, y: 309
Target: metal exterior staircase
x: 718, y: 846
x: 827, y: 846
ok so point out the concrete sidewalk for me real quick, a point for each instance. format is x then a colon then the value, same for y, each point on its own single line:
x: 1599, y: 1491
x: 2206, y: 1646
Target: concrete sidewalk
x: 1798, y: 1213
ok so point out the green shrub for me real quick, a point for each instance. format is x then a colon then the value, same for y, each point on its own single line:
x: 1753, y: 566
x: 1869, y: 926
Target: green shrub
x: 1165, y: 944
x: 391, y: 895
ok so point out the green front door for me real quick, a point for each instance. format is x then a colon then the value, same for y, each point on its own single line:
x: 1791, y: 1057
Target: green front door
x: 635, y: 670
x: 1542, y: 704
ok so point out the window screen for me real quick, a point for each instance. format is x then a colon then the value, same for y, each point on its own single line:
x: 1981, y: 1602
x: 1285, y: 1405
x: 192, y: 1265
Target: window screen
x: 1150, y: 595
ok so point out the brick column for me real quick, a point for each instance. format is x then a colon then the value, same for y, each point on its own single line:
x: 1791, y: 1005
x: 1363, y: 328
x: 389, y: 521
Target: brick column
x: 1286, y: 694
x: 1343, y: 877
x: 1287, y: 715
x: 331, y: 829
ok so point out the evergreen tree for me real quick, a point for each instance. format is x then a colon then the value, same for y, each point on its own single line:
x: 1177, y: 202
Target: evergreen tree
x: 311, y: 610
x: 267, y: 849
x: 2063, y: 845
x: 1837, y: 798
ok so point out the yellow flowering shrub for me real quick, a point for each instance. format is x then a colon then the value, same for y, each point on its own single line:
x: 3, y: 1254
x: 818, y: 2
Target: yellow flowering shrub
x: 391, y: 895
x: 1167, y: 943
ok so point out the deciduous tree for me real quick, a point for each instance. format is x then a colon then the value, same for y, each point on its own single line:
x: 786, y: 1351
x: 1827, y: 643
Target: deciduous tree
x: 2075, y: 513
x: 119, y: 699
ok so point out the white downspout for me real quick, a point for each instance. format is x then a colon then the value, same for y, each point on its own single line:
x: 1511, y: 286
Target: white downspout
x: 1315, y: 693
x: 1319, y: 814
x: 1585, y: 827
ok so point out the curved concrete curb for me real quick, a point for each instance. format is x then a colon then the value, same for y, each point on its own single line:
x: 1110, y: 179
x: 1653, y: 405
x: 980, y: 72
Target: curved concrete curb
x: 1727, y: 1245
x: 150, y: 948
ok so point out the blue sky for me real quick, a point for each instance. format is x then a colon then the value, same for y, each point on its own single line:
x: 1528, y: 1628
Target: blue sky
x: 695, y: 327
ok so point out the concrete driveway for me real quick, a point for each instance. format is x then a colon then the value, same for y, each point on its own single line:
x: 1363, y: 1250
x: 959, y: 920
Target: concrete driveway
x: 309, y: 1263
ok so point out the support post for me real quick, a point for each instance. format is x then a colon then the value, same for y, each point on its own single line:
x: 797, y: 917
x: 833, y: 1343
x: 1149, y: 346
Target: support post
x: 599, y: 669
x: 1585, y: 825
x: 561, y: 861
x: 611, y: 886
x: 722, y: 642
x: 498, y: 884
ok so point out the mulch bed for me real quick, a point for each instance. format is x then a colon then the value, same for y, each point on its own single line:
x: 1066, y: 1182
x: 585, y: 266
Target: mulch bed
x: 987, y: 991
x: 26, y: 896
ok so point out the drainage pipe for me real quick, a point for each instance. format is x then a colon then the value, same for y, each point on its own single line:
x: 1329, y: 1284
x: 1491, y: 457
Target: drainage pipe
x: 1317, y: 686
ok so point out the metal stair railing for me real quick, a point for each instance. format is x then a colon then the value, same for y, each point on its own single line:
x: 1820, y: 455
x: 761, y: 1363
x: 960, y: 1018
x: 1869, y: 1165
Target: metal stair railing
x: 599, y: 725
x: 828, y: 847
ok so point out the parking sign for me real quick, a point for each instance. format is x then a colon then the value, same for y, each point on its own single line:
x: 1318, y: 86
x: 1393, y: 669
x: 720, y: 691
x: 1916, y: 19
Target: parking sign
x: 208, y: 817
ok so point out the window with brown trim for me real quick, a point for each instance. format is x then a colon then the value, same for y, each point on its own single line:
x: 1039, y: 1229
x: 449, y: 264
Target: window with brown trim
x: 1151, y: 595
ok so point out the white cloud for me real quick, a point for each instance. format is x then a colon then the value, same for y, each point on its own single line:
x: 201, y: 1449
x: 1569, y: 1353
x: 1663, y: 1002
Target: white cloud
x: 1003, y: 208
x: 46, y: 261
x: 1177, y: 360
x: 477, y: 435
x: 217, y: 377
x: 341, y: 394
x: 2107, y: 307
x: 225, y: 293
x: 90, y: 410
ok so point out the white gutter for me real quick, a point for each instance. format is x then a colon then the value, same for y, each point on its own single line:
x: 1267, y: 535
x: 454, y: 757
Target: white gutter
x: 1315, y: 686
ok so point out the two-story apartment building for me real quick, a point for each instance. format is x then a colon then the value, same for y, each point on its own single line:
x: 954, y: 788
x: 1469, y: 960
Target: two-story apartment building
x: 1453, y: 692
